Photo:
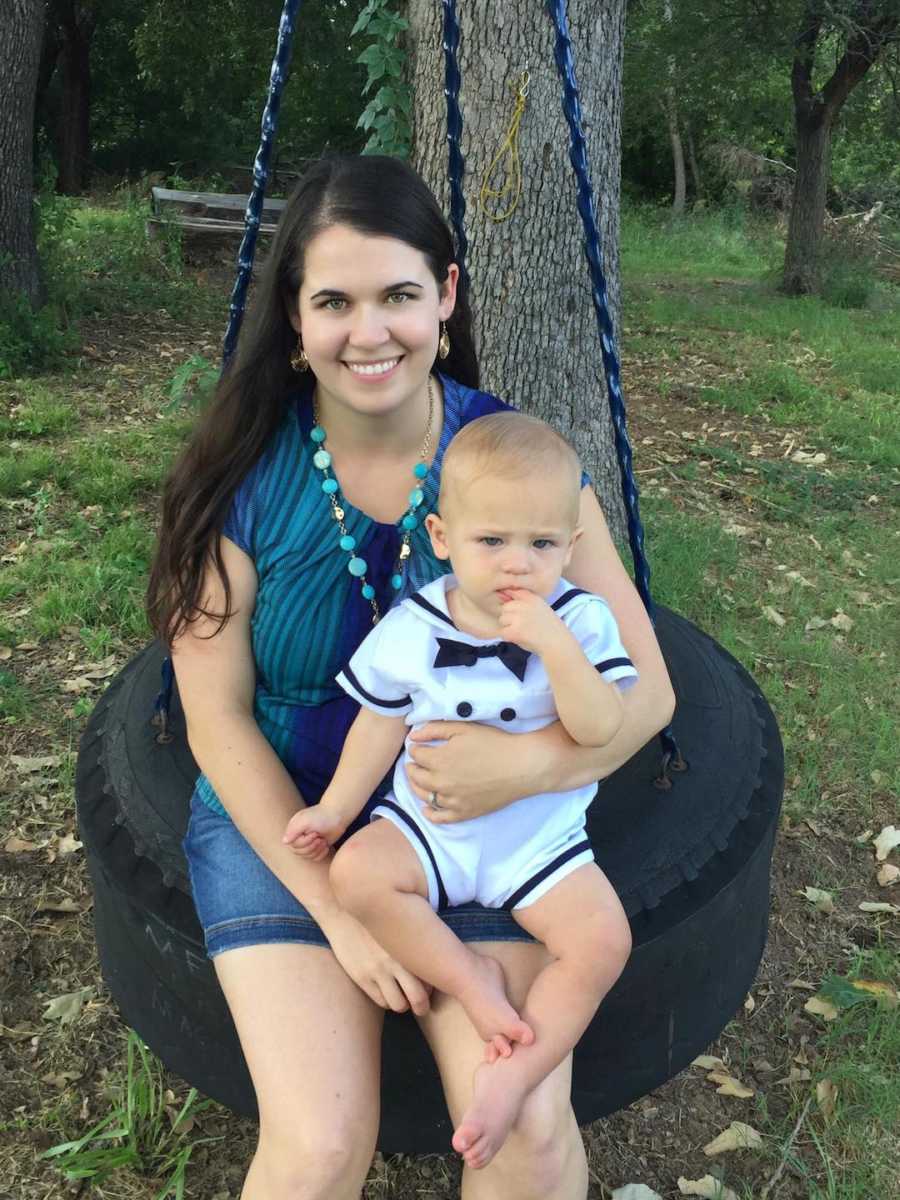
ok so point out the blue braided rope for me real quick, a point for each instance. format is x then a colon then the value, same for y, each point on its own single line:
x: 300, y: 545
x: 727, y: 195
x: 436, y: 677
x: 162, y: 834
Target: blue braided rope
x: 454, y: 133
x: 260, y: 175
x: 586, y: 207
x: 246, y: 255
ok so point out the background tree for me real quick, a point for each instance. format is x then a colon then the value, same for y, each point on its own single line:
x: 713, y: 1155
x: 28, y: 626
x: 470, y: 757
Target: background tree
x: 534, y: 319
x: 20, y: 49
x: 856, y: 33
x: 66, y: 57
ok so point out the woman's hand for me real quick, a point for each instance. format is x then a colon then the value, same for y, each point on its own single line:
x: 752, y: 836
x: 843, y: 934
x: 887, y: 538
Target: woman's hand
x: 473, y: 769
x: 372, y: 969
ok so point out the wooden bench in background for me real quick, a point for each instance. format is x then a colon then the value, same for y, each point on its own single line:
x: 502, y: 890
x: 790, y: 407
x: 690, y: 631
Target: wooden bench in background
x: 207, y: 212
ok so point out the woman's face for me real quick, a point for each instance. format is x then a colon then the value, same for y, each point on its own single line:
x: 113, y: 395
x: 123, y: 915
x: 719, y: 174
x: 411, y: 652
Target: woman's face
x: 369, y: 313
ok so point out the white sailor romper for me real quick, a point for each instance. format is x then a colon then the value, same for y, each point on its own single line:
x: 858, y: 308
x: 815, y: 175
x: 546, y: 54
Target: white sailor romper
x: 417, y: 664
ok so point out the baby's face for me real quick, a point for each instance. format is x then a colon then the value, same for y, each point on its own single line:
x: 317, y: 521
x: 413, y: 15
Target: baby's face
x: 505, y: 533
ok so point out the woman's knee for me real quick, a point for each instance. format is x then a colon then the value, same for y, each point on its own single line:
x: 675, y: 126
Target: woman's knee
x: 545, y: 1149
x: 316, y: 1164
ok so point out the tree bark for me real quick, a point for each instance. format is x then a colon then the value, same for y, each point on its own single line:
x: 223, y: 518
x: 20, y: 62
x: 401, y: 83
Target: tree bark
x: 73, y: 131
x: 680, y: 195
x: 807, y: 221
x: 21, y: 32
x: 534, y: 320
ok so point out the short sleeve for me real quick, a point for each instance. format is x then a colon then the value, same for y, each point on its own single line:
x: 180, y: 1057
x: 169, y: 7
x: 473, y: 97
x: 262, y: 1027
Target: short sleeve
x: 372, y: 676
x: 240, y: 520
x: 595, y: 627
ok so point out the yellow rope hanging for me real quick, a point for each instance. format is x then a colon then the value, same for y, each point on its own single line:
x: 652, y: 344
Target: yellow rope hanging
x: 512, y: 187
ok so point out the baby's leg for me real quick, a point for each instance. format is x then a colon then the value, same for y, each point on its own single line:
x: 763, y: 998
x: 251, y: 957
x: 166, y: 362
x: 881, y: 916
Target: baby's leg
x: 583, y: 925
x: 377, y: 876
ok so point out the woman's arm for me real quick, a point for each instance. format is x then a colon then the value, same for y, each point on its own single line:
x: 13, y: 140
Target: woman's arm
x: 216, y: 681
x: 478, y: 769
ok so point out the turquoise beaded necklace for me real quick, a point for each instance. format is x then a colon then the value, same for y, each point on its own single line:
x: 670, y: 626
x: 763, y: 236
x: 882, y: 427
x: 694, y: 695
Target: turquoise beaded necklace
x: 358, y: 566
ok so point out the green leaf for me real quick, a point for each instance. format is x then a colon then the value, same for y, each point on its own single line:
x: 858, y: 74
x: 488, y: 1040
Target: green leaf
x: 841, y: 992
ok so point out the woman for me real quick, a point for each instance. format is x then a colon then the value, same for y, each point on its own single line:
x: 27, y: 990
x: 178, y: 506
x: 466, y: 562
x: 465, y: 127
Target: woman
x: 290, y: 523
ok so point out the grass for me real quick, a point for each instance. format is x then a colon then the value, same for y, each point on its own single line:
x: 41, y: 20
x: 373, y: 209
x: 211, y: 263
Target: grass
x: 143, y: 1132
x: 730, y: 535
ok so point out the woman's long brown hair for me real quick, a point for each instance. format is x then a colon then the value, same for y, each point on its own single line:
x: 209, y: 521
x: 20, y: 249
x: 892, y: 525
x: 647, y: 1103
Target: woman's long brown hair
x: 374, y: 195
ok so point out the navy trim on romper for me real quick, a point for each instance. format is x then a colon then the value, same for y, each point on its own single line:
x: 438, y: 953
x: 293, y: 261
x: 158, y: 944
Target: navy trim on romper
x: 395, y: 808
x: 532, y: 883
x: 610, y: 663
x: 429, y: 607
x: 567, y: 596
x: 351, y: 678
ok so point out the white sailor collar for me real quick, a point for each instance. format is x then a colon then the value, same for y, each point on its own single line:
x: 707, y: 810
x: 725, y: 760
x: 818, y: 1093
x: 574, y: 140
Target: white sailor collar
x: 429, y: 604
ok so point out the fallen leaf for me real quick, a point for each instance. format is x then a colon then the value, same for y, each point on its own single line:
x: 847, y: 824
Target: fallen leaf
x: 27, y: 765
x: 876, y: 987
x: 800, y: 580
x: 5, y: 653
x: 820, y: 1007
x: 749, y: 1004
x: 19, y: 1033
x: 711, y: 1188
x: 888, y: 874
x: 15, y: 845
x: 862, y: 838
x: 66, y: 905
x: 802, y: 985
x: 737, y: 1136
x: 795, y: 1075
x: 822, y: 901
x: 67, y: 1008
x: 810, y: 459
x: 878, y: 906
x: 885, y: 842
x: 68, y: 844
x: 841, y: 621
x: 635, y: 1191
x: 814, y: 623
x: 60, y: 1080
x: 729, y: 1086
x: 826, y: 1095
x: 709, y: 1062
x: 774, y: 616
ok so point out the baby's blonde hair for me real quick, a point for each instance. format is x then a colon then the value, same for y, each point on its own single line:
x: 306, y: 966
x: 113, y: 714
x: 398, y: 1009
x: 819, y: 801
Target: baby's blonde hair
x: 509, y: 445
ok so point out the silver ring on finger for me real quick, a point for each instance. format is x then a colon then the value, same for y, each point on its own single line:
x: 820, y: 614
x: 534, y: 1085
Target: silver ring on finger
x: 433, y: 802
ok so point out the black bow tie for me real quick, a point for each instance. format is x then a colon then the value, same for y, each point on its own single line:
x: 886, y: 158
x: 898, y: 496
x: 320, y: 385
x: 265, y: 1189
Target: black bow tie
x: 458, y: 654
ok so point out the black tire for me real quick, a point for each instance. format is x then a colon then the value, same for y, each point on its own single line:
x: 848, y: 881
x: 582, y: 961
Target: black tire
x: 691, y: 863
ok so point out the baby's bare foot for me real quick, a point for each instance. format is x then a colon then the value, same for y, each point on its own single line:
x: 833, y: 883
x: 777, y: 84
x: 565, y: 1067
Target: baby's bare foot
x: 496, y: 1103
x: 489, y: 1010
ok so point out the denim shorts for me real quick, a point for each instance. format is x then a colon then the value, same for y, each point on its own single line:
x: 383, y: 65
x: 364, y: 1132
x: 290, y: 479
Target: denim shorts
x: 241, y: 903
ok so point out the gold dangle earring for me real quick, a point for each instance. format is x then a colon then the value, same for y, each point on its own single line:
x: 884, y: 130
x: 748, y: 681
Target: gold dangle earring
x: 299, y: 361
x: 444, y: 342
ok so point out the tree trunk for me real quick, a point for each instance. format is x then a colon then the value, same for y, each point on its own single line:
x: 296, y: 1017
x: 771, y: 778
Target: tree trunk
x: 534, y: 320
x: 678, y: 200
x: 21, y: 31
x: 696, y: 177
x: 807, y: 222
x: 73, y: 131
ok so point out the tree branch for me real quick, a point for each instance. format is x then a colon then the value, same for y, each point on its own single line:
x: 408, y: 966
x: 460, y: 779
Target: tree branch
x: 863, y: 49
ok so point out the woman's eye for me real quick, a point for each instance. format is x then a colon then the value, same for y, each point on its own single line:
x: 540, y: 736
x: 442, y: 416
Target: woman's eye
x: 335, y: 304
x: 399, y: 297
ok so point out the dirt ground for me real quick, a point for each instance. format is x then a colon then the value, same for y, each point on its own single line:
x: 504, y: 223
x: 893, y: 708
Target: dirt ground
x: 54, y: 1077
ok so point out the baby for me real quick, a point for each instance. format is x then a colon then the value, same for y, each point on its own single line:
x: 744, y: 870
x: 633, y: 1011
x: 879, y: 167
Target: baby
x: 508, y: 523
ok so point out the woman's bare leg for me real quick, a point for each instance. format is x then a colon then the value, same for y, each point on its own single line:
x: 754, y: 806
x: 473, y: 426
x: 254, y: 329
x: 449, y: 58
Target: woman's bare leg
x: 312, y: 1041
x: 543, y: 1157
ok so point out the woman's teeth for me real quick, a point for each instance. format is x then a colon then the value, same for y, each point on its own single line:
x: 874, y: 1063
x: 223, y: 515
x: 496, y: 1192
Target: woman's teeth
x: 373, y: 368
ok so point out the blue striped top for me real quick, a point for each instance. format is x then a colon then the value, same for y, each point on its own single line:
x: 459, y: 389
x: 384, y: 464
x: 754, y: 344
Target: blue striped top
x: 310, y: 615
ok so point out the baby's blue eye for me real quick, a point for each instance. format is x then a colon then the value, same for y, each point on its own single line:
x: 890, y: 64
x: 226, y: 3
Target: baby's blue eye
x: 492, y: 541
x: 544, y: 543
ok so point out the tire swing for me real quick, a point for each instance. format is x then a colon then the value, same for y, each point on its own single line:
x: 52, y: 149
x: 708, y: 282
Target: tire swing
x: 686, y: 840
